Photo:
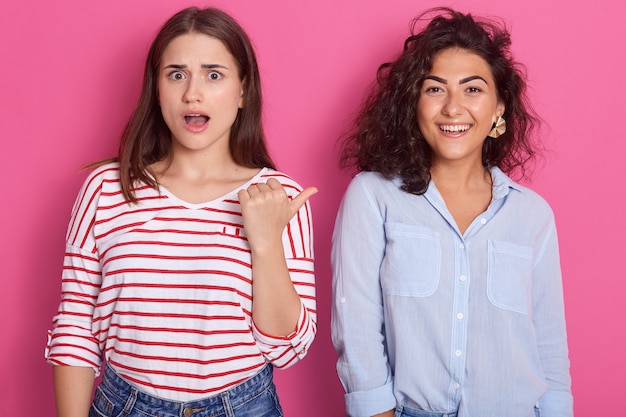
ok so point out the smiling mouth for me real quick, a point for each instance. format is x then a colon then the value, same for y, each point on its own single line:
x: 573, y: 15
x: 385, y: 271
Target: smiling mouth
x: 454, y: 128
x: 196, y: 119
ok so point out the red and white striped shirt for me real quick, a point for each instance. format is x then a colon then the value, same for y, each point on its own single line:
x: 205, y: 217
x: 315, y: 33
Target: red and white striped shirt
x: 163, y: 289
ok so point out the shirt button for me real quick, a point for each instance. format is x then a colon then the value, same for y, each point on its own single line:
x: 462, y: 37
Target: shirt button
x: 462, y: 246
x: 458, y: 352
x: 463, y: 278
x: 459, y: 316
x: 457, y: 386
x: 342, y: 300
x: 483, y: 221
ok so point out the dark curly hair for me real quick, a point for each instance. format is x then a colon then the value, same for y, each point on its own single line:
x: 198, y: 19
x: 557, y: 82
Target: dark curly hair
x: 386, y: 137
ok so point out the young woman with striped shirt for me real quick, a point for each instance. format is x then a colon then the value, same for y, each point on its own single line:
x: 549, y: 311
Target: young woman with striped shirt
x: 188, y: 271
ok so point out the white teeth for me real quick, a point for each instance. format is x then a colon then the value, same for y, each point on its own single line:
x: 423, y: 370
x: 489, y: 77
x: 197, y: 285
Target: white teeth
x: 454, y: 128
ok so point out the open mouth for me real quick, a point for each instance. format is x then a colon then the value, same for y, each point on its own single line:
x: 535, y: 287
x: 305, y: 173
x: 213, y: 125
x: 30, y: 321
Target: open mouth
x: 196, y: 119
x: 454, y: 128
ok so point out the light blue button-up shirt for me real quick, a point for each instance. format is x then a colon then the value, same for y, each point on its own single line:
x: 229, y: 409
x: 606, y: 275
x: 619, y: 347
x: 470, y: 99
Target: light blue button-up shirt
x: 429, y: 319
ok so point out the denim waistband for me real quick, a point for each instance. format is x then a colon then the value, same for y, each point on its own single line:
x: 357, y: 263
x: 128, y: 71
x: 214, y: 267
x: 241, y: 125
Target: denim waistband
x: 237, y: 395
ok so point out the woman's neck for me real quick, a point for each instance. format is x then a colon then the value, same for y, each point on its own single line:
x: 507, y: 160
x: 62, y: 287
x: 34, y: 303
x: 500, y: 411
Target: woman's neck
x: 460, y: 176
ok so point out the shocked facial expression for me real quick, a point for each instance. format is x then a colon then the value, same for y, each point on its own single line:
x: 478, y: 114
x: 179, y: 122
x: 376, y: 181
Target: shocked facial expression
x: 200, y: 93
x: 458, y: 105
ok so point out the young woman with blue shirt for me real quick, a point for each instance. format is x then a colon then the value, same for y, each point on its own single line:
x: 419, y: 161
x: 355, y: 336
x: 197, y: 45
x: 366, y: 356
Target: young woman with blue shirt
x: 446, y: 275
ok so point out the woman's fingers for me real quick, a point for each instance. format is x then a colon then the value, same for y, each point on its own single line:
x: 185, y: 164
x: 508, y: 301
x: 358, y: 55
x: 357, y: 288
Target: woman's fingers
x: 299, y: 200
x: 272, y: 195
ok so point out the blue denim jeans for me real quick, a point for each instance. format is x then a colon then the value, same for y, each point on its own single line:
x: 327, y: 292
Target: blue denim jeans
x: 409, y: 412
x: 255, y: 397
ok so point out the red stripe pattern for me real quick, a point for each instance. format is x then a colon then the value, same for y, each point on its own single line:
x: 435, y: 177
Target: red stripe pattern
x: 162, y: 289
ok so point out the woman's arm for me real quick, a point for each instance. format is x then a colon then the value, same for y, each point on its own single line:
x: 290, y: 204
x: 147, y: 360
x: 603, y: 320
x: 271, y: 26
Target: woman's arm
x: 549, y: 321
x: 359, y: 245
x: 266, y: 210
x: 73, y: 386
x: 72, y: 347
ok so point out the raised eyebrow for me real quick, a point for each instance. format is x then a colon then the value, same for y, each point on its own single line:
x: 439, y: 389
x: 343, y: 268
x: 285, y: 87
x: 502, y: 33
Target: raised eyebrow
x: 213, y: 66
x: 203, y: 66
x: 472, y: 78
x: 435, y: 78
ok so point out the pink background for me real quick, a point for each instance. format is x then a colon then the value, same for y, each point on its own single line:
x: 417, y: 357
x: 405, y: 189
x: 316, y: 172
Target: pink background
x: 71, y: 73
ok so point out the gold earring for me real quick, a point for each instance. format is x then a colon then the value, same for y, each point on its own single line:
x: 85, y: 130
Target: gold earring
x: 498, y: 128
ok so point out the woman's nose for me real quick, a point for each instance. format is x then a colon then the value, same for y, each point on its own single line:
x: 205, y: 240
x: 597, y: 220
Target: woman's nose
x: 193, y: 91
x: 452, y: 106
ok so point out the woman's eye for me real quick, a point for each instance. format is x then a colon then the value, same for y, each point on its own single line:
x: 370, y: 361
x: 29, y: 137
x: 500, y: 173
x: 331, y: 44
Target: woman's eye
x: 432, y: 90
x: 474, y: 90
x: 214, y: 75
x: 177, y: 75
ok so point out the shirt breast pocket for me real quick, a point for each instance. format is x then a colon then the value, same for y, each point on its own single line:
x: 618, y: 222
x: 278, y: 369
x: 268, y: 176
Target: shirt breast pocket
x: 411, y: 265
x: 509, y: 273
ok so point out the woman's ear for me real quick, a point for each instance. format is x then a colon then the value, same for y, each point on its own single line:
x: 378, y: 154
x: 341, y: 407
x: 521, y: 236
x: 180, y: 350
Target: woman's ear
x: 241, y: 96
x: 500, y: 108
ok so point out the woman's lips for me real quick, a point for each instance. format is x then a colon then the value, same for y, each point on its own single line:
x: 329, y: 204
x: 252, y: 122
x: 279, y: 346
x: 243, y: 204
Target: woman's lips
x: 195, y: 122
x: 455, y: 128
x: 196, y: 119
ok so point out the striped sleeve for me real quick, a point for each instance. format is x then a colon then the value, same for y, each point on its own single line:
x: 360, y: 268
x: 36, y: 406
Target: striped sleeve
x: 72, y: 340
x: 283, y: 352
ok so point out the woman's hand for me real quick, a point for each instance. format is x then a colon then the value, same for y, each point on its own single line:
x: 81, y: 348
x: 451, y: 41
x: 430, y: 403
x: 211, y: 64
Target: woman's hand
x: 266, y: 210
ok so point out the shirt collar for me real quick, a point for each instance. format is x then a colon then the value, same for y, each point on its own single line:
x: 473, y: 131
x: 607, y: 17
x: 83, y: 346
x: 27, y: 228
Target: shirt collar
x: 502, y: 184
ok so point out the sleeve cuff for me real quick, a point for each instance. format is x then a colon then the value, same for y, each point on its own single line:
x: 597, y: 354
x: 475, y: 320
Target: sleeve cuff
x: 69, y: 350
x: 284, y: 351
x: 370, y: 402
x: 294, y: 338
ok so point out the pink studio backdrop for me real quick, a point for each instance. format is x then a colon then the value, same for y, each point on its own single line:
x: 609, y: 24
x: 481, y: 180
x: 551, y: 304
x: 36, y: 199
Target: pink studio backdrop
x: 71, y: 73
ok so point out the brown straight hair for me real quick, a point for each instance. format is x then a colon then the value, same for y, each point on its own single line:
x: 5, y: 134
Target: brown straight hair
x: 146, y: 138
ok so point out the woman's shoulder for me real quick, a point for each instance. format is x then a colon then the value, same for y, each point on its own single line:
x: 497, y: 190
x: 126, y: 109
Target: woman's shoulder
x: 109, y: 170
x: 373, y: 188
x: 376, y: 183
x: 102, y: 177
x: 529, y: 199
x: 286, y: 180
x: 374, y: 177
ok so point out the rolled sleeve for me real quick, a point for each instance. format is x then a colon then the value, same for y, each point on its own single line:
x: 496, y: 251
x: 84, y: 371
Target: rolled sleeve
x: 72, y: 342
x: 282, y: 352
x: 371, y: 402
